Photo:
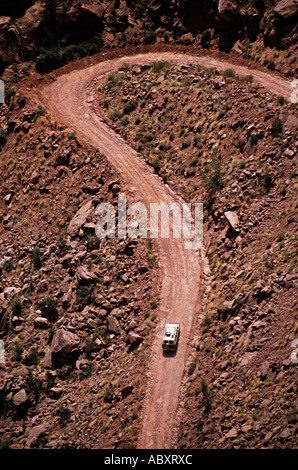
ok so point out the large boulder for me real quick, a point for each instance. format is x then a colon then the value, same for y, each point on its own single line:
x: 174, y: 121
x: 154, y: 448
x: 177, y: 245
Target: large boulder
x: 286, y: 9
x: 233, y: 220
x: 228, y: 13
x: 80, y: 218
x: 34, y: 434
x: 20, y: 398
x: 64, y: 349
x: 30, y: 27
x: 9, y: 42
x: 82, y: 21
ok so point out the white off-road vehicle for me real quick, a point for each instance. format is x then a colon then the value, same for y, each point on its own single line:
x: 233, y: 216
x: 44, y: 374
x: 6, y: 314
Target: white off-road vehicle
x: 171, y: 336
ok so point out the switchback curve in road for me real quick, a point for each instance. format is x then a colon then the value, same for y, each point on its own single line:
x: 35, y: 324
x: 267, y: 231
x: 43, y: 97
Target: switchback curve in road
x: 70, y: 100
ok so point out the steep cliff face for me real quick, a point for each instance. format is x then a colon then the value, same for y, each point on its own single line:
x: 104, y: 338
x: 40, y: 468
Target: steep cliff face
x: 26, y: 27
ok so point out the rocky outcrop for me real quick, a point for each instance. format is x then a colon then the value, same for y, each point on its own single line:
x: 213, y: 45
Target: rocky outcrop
x: 9, y: 41
x: 28, y: 27
x: 80, y: 22
x: 80, y: 218
x: 286, y: 9
x: 63, y: 350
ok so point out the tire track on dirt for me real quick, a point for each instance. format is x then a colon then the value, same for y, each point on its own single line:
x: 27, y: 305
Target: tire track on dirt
x: 70, y: 100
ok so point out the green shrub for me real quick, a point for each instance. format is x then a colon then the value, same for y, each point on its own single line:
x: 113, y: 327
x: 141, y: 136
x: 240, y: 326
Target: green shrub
x: 156, y: 165
x: 64, y: 414
x: 229, y: 73
x: 267, y: 181
x: 292, y: 416
x: 3, y: 137
x: 206, y: 38
x: 16, y: 306
x: 108, y: 395
x: 116, y: 115
x: 18, y: 351
x: 212, y: 177
x: 50, y: 380
x: 49, y: 308
x: 191, y: 368
x: 31, y: 358
x: 57, y: 56
x: 85, y: 370
x: 276, y: 126
x: 149, y: 36
x: 246, y: 79
x: 48, y: 60
x: 207, y: 397
x: 160, y: 66
x: 37, y: 258
x: 130, y: 106
x: 85, y: 295
x: 254, y: 138
x: 206, y: 321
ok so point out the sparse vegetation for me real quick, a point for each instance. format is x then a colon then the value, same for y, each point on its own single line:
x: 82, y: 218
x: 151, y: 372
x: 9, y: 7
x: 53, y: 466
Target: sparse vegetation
x: 37, y: 257
x: 16, y: 306
x: 223, y: 141
x: 276, y: 126
x: 49, y: 308
x: 206, y: 38
x: 225, y: 153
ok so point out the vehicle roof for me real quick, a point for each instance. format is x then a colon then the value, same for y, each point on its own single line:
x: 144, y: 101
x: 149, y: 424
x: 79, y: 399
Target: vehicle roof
x: 170, y: 329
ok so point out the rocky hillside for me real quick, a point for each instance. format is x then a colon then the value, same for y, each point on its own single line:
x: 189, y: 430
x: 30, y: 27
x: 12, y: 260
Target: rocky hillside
x: 53, y: 32
x: 235, y: 146
x: 76, y: 312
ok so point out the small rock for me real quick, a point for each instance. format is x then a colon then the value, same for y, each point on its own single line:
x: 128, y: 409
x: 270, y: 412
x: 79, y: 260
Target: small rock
x: 233, y: 220
x: 83, y: 273
x: 63, y: 158
x: 20, y: 398
x: 113, y: 324
x: 285, y: 433
x: 56, y: 392
x: 246, y: 428
x: 247, y: 358
x: 34, y: 434
x: 132, y: 325
x: 41, y: 322
x: 8, y: 198
x: 134, y: 338
x: 126, y: 391
x: 268, y: 436
x: 34, y: 177
x: 232, y: 433
x: 289, y: 153
x: 264, y: 369
x: 80, y: 218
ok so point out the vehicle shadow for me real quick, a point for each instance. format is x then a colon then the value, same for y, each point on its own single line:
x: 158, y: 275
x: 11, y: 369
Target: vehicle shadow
x: 168, y: 353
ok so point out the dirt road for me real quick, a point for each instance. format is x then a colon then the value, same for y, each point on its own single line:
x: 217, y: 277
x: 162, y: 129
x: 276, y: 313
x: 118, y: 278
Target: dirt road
x: 70, y: 100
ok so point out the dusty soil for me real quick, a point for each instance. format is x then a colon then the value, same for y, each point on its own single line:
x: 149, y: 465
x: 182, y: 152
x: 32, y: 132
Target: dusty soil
x: 70, y: 100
